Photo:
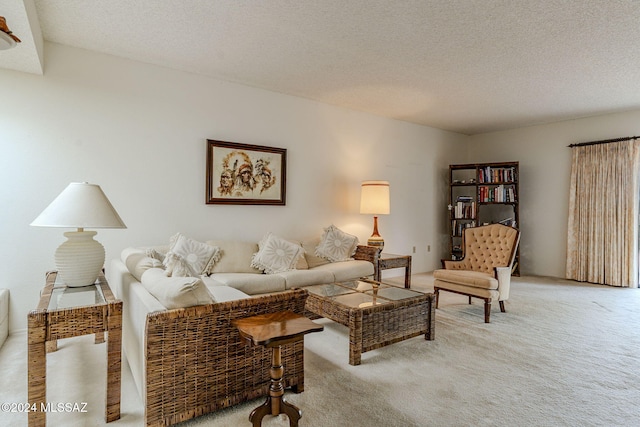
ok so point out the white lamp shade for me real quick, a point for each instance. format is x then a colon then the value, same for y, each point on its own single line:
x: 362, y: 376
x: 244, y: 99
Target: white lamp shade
x: 80, y: 205
x: 374, y: 198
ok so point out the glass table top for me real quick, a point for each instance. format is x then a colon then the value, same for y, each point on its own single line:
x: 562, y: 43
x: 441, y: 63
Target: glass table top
x: 63, y: 296
x: 359, y: 293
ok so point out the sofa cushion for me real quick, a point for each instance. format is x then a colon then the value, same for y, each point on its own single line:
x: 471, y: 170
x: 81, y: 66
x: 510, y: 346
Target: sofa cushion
x: 475, y: 279
x: 224, y: 293
x: 313, y: 260
x: 336, y: 245
x: 276, y: 255
x: 249, y: 283
x: 235, y: 256
x: 302, y: 263
x: 175, y: 292
x: 347, y: 270
x: 189, y: 258
x: 300, y: 278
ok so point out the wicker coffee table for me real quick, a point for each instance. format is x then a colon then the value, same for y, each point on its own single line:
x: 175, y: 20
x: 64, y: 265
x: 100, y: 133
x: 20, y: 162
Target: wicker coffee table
x: 376, y: 313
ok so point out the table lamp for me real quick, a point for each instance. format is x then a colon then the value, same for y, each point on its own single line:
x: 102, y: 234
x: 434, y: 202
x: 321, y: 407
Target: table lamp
x: 374, y: 200
x: 81, y: 205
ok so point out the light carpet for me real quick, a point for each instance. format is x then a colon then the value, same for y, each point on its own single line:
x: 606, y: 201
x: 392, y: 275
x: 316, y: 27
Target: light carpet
x: 564, y: 354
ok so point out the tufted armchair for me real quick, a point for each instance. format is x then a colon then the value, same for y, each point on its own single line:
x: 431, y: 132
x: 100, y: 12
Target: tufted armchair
x: 485, y: 270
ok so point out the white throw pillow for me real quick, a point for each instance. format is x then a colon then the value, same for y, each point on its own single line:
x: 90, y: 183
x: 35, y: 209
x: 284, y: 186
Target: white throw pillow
x: 175, y: 292
x: 188, y: 257
x: 336, y: 245
x: 276, y: 255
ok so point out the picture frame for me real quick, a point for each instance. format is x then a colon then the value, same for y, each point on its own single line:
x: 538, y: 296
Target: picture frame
x: 245, y: 174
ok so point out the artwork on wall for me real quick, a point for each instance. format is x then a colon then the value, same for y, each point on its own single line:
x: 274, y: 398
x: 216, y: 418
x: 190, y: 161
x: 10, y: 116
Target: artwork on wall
x: 243, y: 174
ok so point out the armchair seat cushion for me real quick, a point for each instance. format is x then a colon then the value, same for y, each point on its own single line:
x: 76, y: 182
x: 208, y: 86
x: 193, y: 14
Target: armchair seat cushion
x: 474, y: 279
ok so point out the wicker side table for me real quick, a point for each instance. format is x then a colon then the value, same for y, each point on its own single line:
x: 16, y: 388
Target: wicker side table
x: 388, y: 261
x: 69, y: 312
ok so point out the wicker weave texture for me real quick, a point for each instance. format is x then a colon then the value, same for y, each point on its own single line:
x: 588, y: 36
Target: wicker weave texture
x: 378, y: 326
x: 46, y: 326
x: 196, y: 362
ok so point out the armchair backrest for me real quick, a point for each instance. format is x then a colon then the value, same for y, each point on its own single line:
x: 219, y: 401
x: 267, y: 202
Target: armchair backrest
x: 490, y: 246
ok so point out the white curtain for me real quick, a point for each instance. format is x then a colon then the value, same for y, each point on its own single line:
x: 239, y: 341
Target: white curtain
x: 602, y: 241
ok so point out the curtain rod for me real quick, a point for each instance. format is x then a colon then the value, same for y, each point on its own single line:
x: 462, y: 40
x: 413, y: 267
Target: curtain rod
x: 604, y: 141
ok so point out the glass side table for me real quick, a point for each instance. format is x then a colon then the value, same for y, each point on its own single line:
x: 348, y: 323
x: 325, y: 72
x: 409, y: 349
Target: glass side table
x: 65, y: 312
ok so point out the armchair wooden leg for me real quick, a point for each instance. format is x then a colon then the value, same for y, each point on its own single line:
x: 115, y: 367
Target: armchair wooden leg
x: 437, y: 292
x: 502, y: 306
x: 487, y: 310
x: 469, y: 299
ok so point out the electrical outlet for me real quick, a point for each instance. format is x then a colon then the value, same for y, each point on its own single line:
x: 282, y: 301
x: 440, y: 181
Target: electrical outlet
x: 428, y: 248
x: 414, y: 249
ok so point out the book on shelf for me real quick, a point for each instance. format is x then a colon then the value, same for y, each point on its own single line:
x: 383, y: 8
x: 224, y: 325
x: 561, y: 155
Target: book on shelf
x: 490, y: 174
x: 498, y: 194
x: 464, y: 210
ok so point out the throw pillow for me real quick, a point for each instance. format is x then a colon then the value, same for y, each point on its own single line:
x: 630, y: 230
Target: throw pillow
x: 276, y: 255
x: 336, y: 245
x: 302, y: 261
x: 155, y: 254
x: 175, y: 292
x: 188, y: 257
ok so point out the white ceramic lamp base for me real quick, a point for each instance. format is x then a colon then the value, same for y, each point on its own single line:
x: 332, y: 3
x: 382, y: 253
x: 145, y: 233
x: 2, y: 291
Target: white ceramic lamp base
x: 79, y: 259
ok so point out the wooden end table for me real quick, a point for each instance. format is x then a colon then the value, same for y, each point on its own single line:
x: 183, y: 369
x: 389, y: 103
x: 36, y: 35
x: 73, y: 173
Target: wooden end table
x: 65, y: 312
x: 388, y: 261
x: 273, y: 330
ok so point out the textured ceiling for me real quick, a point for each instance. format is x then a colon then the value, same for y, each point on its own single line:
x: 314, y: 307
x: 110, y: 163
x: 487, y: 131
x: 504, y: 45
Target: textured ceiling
x: 469, y: 66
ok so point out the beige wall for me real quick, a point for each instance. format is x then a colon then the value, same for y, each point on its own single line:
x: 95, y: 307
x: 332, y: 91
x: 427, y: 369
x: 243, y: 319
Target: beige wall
x: 140, y: 132
x: 545, y: 169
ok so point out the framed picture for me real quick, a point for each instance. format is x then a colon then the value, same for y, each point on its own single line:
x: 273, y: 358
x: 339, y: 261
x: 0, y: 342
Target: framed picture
x: 243, y: 174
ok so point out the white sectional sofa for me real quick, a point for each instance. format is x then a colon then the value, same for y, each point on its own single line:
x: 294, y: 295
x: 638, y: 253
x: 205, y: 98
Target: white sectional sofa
x: 178, y: 340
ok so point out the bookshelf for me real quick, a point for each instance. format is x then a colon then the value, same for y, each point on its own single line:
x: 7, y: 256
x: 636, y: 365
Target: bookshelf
x: 479, y: 194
